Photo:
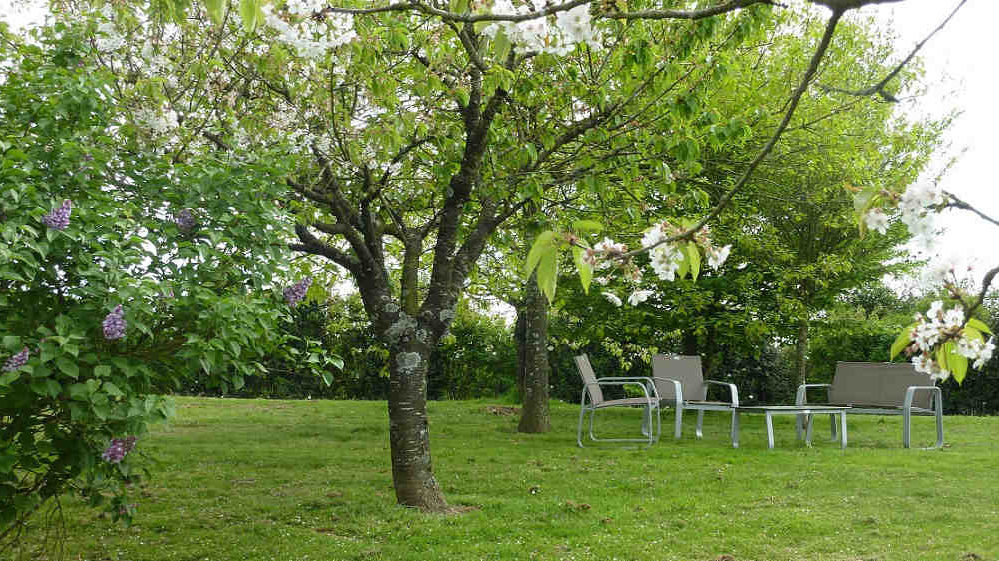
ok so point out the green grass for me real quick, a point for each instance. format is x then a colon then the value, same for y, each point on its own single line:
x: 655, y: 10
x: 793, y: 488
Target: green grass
x: 291, y: 480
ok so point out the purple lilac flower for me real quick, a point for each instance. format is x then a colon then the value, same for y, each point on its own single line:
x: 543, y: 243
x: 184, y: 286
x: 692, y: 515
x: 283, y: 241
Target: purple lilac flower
x: 16, y: 361
x: 185, y: 220
x: 115, y: 324
x: 118, y: 449
x: 296, y: 292
x: 58, y: 219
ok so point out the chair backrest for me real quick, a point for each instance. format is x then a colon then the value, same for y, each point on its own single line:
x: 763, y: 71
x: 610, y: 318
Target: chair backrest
x: 878, y: 383
x: 686, y: 369
x: 589, y: 379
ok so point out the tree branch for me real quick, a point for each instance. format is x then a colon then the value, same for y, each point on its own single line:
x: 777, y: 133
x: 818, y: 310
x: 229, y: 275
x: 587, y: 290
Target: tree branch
x: 955, y: 202
x: 879, y: 88
x: 813, y: 66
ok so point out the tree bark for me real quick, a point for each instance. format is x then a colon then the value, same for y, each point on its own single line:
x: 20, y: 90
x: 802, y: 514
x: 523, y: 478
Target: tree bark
x: 801, y: 349
x: 520, y: 337
x: 409, y: 435
x: 534, y: 415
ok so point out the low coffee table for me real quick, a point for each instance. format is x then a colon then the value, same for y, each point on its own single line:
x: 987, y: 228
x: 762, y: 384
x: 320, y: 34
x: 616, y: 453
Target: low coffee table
x: 807, y: 410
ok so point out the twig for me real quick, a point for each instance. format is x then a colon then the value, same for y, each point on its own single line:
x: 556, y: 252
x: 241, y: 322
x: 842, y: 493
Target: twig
x: 879, y: 88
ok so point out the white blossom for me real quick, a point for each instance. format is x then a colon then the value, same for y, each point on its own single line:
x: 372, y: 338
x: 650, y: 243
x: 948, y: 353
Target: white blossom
x: 877, y: 220
x: 639, y: 296
x: 612, y: 298
x: 717, y: 256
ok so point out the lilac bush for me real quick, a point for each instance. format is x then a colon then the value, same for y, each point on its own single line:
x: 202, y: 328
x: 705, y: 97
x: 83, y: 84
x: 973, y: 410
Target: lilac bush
x: 118, y: 449
x: 296, y: 292
x: 16, y: 361
x: 58, y: 219
x: 115, y: 324
x: 185, y: 220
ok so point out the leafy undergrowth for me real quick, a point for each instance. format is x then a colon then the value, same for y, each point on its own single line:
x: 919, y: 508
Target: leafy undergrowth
x: 294, y: 480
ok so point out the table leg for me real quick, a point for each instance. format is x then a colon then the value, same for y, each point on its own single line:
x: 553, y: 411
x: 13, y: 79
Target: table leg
x: 842, y: 429
x: 770, y: 430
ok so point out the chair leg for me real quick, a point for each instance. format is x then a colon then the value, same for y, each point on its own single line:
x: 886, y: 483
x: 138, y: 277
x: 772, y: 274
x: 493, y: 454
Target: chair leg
x: 940, y: 440
x: 832, y: 426
x: 842, y: 430
x: 799, y: 425
x: 678, y: 423
x: 593, y: 416
x: 700, y: 423
x: 579, y: 428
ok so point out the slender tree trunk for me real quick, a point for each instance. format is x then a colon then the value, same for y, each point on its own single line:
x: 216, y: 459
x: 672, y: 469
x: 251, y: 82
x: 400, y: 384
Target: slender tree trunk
x: 534, y: 416
x: 412, y: 470
x: 801, y: 348
x: 520, y: 338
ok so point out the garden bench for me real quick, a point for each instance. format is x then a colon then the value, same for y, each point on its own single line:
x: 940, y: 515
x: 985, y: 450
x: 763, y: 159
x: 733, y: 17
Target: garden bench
x: 871, y: 388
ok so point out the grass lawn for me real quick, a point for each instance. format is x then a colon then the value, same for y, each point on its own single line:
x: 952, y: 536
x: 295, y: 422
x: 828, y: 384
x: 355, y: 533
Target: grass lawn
x: 291, y: 480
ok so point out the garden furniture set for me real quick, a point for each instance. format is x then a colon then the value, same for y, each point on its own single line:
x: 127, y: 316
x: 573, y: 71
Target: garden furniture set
x: 677, y: 381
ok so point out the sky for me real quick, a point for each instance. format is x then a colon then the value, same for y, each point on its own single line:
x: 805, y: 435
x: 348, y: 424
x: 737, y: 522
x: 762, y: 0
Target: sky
x: 960, y: 74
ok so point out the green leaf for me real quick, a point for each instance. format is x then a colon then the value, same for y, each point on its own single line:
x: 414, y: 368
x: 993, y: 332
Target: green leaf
x: 215, y: 10
x: 694, y: 255
x: 979, y: 325
x: 501, y: 46
x: 973, y: 334
x: 684, y: 266
x: 112, y: 390
x: 584, y: 268
x: 587, y: 226
x: 79, y: 392
x: 249, y: 11
x: 902, y: 341
x: 548, y: 274
x: 102, y: 371
x: 327, y: 378
x: 8, y: 378
x: 68, y: 367
x: 958, y: 365
x: 542, y: 245
x: 336, y: 361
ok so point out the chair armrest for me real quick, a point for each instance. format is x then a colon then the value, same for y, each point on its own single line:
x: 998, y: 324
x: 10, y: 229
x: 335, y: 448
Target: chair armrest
x: 910, y: 393
x: 733, y: 391
x: 677, y: 387
x: 644, y: 382
x: 801, y: 399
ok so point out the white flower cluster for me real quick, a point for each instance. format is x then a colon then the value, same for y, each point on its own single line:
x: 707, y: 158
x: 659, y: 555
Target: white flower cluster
x: 311, y: 37
x: 159, y: 121
x: 917, y: 211
x: 938, y: 326
x: 666, y: 258
x: 109, y: 38
x: 877, y: 220
x: 558, y: 37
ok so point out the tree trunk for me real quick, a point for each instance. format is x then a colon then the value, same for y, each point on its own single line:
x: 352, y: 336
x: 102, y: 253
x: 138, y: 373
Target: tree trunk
x: 412, y: 471
x: 520, y: 338
x: 534, y: 416
x: 801, y: 348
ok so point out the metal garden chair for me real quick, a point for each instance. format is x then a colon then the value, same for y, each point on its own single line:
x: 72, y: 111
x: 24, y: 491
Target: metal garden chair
x: 592, y: 400
x: 680, y: 383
